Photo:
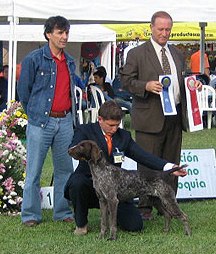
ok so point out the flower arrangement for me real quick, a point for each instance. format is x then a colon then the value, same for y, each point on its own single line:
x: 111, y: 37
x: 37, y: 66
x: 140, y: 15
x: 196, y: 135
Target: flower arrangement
x: 14, y: 120
x: 12, y: 172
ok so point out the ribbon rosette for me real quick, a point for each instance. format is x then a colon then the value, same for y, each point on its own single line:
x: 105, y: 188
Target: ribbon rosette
x: 194, y: 114
x: 194, y: 102
x: 167, y: 97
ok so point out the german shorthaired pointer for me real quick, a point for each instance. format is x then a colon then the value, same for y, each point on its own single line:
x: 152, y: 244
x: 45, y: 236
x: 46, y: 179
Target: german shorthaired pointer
x: 114, y: 184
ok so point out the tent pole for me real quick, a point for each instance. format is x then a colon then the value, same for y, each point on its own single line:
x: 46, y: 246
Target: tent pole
x: 113, y: 60
x: 10, y: 61
x: 13, y: 87
x: 202, y: 46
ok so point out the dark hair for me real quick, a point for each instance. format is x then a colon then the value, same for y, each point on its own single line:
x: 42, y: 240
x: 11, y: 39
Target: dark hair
x: 6, y: 66
x: 160, y: 14
x: 58, y: 22
x: 110, y: 110
x: 100, y: 71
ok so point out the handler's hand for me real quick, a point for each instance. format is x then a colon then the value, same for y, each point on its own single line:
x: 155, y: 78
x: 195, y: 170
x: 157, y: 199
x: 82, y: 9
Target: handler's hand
x: 181, y: 172
x: 154, y: 87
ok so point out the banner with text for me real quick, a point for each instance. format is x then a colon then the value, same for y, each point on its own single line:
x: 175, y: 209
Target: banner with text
x: 199, y: 183
x: 182, y: 31
x: 201, y: 178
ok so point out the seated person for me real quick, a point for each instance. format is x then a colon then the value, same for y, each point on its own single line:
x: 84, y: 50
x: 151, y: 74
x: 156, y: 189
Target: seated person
x: 122, y: 97
x: 99, y: 81
x: 79, y: 187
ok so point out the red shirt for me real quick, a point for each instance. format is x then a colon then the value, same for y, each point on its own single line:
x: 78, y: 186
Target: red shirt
x: 62, y: 96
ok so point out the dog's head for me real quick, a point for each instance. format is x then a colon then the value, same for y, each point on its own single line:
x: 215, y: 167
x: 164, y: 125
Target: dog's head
x: 86, y: 150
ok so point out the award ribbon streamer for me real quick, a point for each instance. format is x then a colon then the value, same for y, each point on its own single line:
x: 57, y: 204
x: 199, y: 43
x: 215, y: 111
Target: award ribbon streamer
x: 194, y: 102
x: 166, y: 81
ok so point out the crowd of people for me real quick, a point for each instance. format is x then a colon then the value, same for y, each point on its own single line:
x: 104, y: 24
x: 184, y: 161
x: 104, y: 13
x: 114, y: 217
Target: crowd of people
x: 46, y: 91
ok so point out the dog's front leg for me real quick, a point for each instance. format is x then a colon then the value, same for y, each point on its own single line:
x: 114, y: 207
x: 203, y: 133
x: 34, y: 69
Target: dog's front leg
x: 112, y: 208
x: 104, y: 217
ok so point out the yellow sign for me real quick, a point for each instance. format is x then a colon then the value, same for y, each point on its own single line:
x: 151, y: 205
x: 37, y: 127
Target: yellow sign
x: 180, y: 31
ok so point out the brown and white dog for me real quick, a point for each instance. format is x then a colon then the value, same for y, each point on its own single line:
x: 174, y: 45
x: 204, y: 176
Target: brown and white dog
x: 114, y: 184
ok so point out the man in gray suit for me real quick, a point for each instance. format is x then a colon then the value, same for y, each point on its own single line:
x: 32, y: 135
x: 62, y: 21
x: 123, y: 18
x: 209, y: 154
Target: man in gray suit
x: 155, y: 132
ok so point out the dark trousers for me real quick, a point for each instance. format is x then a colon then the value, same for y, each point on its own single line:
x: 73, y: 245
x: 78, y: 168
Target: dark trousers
x: 83, y: 197
x: 166, y: 145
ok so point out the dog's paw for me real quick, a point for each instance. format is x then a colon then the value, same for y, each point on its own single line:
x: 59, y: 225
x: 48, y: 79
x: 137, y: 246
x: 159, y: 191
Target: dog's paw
x: 112, y: 238
x: 188, y: 232
x: 101, y: 235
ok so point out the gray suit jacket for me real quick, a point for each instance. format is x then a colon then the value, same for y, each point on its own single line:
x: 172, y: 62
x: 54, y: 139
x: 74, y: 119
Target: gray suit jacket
x: 142, y: 65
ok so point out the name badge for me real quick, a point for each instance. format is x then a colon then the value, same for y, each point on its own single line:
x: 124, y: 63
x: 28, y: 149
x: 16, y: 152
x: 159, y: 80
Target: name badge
x: 118, y: 156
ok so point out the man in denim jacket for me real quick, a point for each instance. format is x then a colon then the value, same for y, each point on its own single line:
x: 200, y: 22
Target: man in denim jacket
x: 45, y: 89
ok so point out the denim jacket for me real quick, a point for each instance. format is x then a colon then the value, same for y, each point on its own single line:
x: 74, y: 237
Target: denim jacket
x: 37, y: 82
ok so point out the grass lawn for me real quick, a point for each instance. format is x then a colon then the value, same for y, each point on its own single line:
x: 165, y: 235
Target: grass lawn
x: 57, y: 237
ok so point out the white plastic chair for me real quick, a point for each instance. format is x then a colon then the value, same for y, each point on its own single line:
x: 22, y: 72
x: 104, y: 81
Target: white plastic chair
x: 98, y: 99
x: 78, y: 99
x: 207, y: 102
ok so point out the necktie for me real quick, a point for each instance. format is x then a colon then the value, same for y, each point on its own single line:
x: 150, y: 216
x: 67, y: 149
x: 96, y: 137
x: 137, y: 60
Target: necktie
x: 165, y: 62
x: 109, y: 143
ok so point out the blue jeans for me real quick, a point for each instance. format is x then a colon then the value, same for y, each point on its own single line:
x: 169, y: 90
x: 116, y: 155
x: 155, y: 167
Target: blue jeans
x: 57, y: 135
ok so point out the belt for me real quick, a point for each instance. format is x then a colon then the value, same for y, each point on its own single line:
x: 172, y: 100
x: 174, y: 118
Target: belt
x: 60, y: 114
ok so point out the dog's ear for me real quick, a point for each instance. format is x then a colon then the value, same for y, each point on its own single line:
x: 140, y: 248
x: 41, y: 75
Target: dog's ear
x: 95, y: 153
x: 70, y: 151
x: 77, y: 152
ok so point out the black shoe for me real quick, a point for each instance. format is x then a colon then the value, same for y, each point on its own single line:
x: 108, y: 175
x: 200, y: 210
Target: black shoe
x: 30, y: 223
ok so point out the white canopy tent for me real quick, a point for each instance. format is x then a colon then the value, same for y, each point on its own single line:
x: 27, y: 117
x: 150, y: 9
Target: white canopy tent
x: 112, y: 10
x: 6, y: 8
x: 94, y: 11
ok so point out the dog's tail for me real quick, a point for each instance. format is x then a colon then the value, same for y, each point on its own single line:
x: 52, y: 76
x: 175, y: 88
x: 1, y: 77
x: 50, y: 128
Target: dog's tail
x: 170, y: 171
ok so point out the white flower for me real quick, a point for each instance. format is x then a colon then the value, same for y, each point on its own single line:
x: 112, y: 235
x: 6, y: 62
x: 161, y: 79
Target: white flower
x: 4, y: 198
x: 1, y: 177
x: 4, y: 206
x: 22, y: 122
x: 13, y: 193
x: 5, y: 153
x: 11, y: 157
x: 19, y: 200
x: 12, y: 202
x: 21, y: 184
x: 3, y: 132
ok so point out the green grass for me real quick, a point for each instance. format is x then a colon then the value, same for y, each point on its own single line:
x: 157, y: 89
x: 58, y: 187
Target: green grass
x: 57, y: 237
x: 200, y: 139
